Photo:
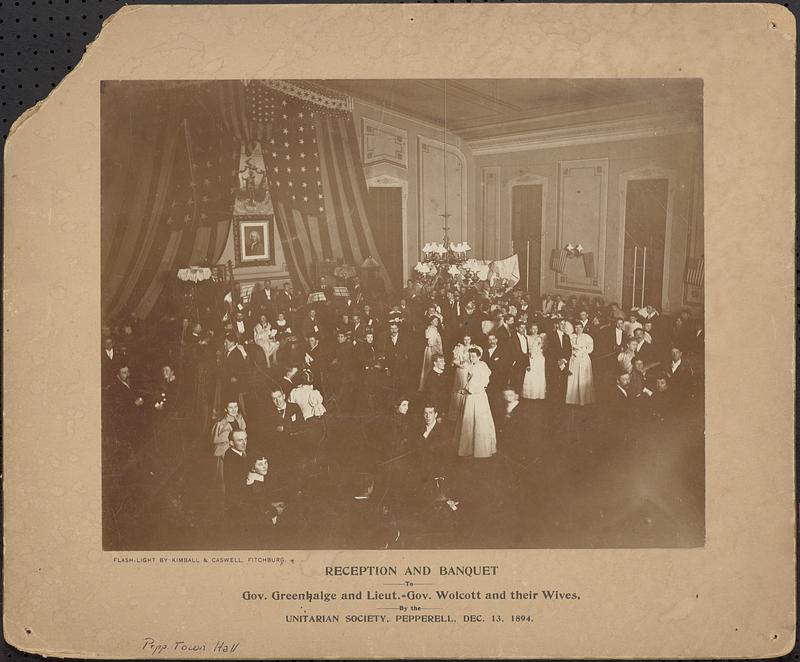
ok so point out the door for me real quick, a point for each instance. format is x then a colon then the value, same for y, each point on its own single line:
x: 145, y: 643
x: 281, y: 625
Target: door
x: 386, y: 207
x: 526, y: 234
x: 645, y: 235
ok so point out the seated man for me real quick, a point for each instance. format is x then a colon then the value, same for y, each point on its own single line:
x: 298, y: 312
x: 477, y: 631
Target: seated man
x: 620, y: 407
x: 627, y: 356
x: 679, y: 374
x: 638, y: 381
x: 661, y: 402
x: 644, y: 350
x: 262, y: 509
x: 283, y: 418
x: 510, y: 421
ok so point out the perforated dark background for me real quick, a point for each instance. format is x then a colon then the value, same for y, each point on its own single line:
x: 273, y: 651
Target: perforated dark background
x: 43, y: 40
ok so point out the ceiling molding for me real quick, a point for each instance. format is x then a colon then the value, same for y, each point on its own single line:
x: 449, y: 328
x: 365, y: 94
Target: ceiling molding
x: 585, y: 134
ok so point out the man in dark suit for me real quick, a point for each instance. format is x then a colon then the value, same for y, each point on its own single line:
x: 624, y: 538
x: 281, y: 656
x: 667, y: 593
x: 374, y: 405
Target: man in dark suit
x: 679, y: 375
x: 283, y: 300
x: 517, y: 357
x: 262, y: 302
x: 366, y: 353
x: 619, y: 410
x: 284, y: 432
x: 283, y: 419
x: 451, y: 316
x: 495, y: 359
x: 437, y: 385
x: 341, y: 368
x: 125, y: 405
x: 503, y: 329
x: 316, y: 359
x: 236, y: 466
x: 111, y: 358
x: 560, y: 345
x: 644, y: 350
x: 611, y: 341
x: 471, y: 324
x: 234, y: 372
x: 511, y: 422
x: 395, y: 352
x: 429, y: 444
x: 287, y: 381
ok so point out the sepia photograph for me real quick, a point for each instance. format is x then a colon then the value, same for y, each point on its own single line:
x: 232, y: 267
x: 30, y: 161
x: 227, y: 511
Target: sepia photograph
x: 409, y: 346
x: 480, y: 326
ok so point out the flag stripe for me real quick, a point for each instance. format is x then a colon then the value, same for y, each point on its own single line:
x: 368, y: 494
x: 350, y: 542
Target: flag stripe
x: 343, y: 174
x: 334, y: 218
x: 305, y: 235
x: 343, y: 214
x: 356, y: 172
x: 152, y: 241
x: 292, y: 243
x: 155, y: 286
x: 130, y: 235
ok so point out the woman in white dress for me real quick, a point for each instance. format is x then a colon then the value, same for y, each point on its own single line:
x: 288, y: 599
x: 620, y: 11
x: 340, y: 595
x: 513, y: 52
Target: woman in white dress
x: 307, y: 397
x: 460, y: 365
x: 264, y: 336
x: 580, y: 383
x: 475, y: 432
x: 534, y: 386
x: 433, y: 340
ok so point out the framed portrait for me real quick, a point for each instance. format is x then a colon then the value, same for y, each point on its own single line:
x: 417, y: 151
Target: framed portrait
x: 253, y: 243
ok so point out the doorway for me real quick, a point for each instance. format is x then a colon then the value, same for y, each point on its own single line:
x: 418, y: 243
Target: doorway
x: 386, y: 208
x: 646, y: 211
x: 526, y: 234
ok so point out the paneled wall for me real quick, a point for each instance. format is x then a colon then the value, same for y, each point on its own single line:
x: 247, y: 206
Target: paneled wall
x: 585, y: 203
x: 399, y: 150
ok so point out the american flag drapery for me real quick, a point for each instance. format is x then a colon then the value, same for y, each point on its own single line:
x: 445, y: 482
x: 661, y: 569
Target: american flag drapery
x: 168, y: 186
x: 316, y: 181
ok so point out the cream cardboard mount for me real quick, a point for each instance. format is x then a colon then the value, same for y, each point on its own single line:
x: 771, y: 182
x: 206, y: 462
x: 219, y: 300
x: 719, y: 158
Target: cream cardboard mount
x: 733, y: 597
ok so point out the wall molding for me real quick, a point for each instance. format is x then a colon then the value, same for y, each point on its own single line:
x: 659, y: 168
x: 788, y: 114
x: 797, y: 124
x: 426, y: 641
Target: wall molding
x: 585, y: 134
x: 601, y: 167
x: 383, y: 143
x: 390, y: 181
x: 522, y: 180
x: 490, y: 184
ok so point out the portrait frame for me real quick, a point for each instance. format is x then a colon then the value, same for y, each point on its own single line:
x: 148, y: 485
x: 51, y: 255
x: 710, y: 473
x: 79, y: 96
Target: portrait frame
x: 263, y: 226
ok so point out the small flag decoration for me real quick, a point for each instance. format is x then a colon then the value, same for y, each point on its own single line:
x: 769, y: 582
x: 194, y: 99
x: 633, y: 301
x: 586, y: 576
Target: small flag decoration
x: 558, y: 260
x: 588, y: 265
x: 695, y: 271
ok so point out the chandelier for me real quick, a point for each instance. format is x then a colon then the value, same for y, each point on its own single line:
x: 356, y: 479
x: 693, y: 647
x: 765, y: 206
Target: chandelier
x: 446, y: 263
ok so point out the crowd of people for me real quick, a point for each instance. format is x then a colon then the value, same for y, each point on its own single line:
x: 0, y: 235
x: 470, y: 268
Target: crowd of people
x: 277, y: 382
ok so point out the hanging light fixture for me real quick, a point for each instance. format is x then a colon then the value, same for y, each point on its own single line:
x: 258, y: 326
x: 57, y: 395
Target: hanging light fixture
x: 445, y: 260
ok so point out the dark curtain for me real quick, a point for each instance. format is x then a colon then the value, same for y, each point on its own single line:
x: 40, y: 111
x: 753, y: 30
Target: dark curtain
x: 168, y: 169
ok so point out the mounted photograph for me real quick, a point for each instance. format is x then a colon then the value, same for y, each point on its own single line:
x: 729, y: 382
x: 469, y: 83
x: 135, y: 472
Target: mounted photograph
x: 478, y: 322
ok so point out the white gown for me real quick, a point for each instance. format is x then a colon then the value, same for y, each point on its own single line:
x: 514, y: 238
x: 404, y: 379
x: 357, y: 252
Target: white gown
x: 580, y: 383
x: 475, y: 431
x: 534, y: 386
